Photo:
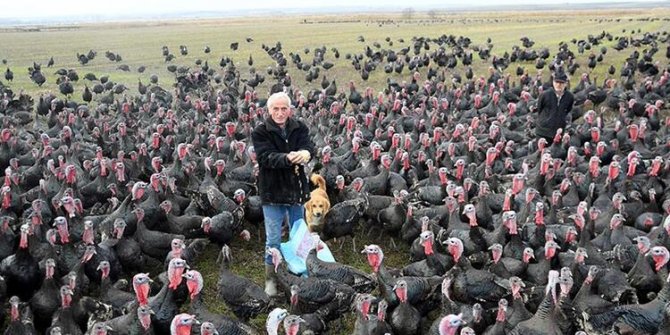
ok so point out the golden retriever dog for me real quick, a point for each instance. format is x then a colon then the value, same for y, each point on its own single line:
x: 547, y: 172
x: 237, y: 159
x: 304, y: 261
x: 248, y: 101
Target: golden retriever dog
x: 319, y: 204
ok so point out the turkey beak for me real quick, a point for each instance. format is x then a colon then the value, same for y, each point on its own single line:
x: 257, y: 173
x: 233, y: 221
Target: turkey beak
x: 109, y: 328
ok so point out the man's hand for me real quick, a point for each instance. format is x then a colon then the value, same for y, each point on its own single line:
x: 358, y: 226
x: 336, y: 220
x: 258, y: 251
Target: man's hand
x: 298, y: 157
x: 293, y: 157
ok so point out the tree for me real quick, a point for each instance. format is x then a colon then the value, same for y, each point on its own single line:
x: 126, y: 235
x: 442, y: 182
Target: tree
x: 407, y: 13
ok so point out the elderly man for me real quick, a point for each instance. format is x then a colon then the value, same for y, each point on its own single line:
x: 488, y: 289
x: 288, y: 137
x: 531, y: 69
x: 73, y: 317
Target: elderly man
x: 282, y: 147
x: 554, y: 107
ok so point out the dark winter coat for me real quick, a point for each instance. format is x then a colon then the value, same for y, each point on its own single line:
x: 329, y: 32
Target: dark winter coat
x: 552, y: 113
x: 279, y: 181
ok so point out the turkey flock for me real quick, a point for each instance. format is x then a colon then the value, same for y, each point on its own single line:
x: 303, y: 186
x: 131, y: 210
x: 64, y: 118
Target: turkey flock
x: 109, y: 200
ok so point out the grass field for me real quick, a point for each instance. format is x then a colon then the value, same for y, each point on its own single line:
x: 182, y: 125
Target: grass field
x: 140, y: 44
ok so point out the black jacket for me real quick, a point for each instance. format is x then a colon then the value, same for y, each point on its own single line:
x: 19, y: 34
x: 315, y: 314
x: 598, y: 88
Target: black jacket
x: 552, y: 114
x: 279, y: 181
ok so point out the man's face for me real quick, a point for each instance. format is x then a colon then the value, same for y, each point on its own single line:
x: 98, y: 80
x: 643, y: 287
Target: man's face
x: 280, y: 111
x: 559, y: 87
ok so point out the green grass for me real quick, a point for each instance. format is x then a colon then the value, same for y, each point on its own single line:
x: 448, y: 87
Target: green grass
x: 140, y: 44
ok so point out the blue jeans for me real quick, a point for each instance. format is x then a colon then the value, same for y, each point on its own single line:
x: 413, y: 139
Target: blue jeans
x: 274, y: 216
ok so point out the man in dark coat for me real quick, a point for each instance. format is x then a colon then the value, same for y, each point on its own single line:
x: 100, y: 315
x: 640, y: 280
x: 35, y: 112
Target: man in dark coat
x: 554, y: 108
x: 282, y: 146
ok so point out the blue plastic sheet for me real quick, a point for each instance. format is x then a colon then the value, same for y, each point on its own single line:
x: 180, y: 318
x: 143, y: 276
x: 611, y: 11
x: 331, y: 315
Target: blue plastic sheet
x: 297, y: 248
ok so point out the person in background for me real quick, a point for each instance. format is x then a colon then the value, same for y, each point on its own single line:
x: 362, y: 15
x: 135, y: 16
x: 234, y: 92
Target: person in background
x: 554, y: 107
x: 283, y: 146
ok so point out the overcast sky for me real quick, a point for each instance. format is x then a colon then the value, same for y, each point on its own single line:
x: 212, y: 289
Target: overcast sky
x: 18, y: 9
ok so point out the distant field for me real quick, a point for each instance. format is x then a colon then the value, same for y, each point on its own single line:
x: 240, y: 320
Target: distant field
x: 140, y: 44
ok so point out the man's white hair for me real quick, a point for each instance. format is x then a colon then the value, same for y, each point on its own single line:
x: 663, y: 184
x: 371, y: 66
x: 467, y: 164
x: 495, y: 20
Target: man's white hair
x: 277, y: 96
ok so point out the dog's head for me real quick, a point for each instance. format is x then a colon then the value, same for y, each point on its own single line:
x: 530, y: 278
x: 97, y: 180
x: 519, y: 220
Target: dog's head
x: 317, y: 207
